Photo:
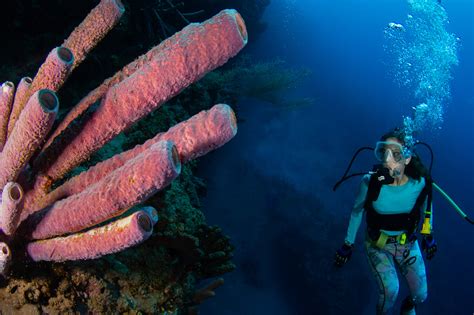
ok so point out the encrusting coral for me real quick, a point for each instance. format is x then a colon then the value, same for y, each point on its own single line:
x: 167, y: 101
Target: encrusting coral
x: 101, y: 210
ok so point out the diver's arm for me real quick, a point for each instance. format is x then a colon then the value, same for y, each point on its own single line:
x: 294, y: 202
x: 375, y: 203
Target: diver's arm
x: 357, y: 211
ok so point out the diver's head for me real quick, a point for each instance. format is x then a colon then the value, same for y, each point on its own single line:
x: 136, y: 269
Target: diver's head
x: 393, y: 153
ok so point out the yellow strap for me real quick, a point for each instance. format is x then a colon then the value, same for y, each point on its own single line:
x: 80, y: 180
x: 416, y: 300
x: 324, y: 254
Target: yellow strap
x: 426, y: 228
x: 402, y: 239
x: 382, y: 240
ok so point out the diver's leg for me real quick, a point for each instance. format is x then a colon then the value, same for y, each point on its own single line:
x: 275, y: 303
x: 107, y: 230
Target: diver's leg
x: 412, y: 267
x: 383, y: 268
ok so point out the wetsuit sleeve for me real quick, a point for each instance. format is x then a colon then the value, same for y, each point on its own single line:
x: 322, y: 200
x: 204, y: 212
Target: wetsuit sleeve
x: 357, y: 211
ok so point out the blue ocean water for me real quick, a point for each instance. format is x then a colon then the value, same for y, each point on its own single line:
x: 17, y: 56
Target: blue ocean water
x: 270, y: 188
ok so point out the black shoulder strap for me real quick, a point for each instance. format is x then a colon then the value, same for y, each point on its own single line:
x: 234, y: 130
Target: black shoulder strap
x: 373, y: 189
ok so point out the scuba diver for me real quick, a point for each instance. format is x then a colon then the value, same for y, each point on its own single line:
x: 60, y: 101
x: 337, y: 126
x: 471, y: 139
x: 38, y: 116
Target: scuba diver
x: 394, y: 196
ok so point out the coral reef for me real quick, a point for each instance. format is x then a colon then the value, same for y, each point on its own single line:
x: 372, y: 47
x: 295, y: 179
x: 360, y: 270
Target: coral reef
x: 49, y: 213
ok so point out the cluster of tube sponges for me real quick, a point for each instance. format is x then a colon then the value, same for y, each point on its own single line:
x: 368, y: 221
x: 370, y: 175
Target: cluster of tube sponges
x: 78, y: 219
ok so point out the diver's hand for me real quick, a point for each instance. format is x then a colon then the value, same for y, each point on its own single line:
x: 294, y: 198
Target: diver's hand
x: 343, y: 255
x: 383, y: 176
x: 428, y: 244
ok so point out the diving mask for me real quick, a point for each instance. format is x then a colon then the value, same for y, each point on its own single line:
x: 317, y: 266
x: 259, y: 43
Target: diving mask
x: 390, y: 150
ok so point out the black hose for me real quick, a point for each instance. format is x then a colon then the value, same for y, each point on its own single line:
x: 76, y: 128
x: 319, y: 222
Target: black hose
x: 345, y: 177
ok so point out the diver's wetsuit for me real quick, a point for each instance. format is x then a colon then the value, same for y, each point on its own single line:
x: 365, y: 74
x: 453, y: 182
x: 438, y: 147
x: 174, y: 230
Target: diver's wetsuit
x: 383, y: 262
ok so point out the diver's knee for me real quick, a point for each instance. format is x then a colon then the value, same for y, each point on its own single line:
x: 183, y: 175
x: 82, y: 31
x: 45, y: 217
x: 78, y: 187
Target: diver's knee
x: 420, y: 297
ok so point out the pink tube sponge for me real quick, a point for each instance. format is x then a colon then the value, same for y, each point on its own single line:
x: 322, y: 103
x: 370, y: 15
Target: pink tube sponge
x: 121, y: 75
x: 100, y: 91
x: 189, y: 55
x: 54, y: 71
x: 10, y: 209
x: 195, y: 137
x: 5, y: 258
x: 32, y: 127
x: 7, y: 93
x: 111, y: 238
x: 203, y: 132
x: 128, y: 185
x: 94, y: 27
x: 51, y: 75
x: 21, y: 90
